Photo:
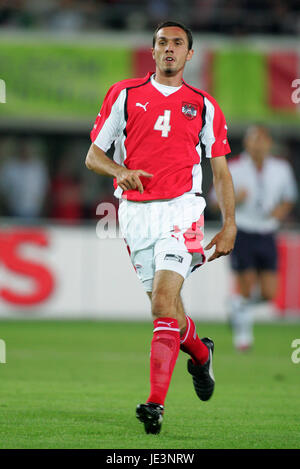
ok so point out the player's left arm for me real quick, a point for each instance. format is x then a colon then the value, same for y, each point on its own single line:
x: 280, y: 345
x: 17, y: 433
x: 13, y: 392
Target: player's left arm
x: 224, y: 240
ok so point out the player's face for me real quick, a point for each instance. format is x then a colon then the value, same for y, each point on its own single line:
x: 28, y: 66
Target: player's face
x: 171, y: 50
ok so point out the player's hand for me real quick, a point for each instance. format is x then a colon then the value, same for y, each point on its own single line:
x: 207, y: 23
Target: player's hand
x: 224, y: 242
x: 129, y: 179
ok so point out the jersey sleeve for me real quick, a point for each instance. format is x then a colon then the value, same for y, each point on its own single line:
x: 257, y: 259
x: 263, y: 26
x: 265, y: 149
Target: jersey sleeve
x: 214, y: 131
x: 110, y: 121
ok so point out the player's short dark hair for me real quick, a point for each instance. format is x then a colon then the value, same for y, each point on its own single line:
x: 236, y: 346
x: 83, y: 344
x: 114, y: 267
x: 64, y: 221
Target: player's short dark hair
x: 167, y: 24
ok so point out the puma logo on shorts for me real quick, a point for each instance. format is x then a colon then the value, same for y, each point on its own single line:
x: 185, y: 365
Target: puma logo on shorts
x: 173, y: 257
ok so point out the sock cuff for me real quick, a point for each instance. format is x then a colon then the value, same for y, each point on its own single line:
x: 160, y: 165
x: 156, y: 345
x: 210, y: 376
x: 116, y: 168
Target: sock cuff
x: 166, y: 324
x: 190, y: 328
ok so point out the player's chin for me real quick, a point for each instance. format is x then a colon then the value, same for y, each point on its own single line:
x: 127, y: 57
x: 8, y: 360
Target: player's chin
x: 170, y: 71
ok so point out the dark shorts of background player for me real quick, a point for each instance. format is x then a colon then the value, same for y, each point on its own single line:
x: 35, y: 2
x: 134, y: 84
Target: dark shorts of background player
x: 254, y: 251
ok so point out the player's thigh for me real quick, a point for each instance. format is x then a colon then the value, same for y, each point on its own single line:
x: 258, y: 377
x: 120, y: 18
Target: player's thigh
x: 268, y: 281
x: 246, y: 280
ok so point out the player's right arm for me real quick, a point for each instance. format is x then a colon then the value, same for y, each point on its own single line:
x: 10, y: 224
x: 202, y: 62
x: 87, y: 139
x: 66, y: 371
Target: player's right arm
x: 109, y: 124
x: 100, y: 163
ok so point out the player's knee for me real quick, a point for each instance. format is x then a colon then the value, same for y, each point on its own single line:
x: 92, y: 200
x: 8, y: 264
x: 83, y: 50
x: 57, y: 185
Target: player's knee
x: 163, y: 304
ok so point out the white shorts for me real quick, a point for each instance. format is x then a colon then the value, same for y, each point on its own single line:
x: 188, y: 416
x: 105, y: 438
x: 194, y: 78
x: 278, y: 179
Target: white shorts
x: 164, y: 235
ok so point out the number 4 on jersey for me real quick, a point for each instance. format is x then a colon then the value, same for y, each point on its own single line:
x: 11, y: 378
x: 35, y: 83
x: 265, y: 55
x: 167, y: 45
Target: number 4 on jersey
x: 163, y: 124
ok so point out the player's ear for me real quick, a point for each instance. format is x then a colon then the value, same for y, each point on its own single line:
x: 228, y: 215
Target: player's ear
x: 152, y: 52
x: 190, y: 54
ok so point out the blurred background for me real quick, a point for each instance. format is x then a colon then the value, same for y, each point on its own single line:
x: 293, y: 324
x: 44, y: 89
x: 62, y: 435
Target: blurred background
x: 58, y: 58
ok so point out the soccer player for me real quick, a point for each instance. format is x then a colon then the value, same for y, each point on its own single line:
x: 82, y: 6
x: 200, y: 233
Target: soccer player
x: 265, y: 190
x: 161, y: 128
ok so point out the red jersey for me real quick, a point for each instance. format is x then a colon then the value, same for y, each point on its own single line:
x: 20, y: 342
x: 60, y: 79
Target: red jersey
x: 164, y: 135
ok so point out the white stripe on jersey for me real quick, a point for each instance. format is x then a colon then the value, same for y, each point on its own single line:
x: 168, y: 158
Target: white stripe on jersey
x: 119, y: 157
x: 197, y: 176
x: 207, y: 136
x: 207, y: 139
x: 114, y: 125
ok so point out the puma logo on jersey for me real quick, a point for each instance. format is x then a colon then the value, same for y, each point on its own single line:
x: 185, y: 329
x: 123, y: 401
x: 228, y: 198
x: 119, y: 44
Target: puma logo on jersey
x: 144, y: 106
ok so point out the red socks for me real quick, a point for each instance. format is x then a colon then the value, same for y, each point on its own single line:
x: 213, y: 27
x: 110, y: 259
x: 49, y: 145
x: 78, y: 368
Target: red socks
x: 164, y: 352
x: 191, y: 344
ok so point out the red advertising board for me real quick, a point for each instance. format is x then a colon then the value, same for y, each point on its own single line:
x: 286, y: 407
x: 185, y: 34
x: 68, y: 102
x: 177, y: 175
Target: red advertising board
x: 288, y: 297
x: 11, y: 243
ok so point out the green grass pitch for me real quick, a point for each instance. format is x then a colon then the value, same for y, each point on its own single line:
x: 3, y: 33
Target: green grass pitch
x: 69, y: 384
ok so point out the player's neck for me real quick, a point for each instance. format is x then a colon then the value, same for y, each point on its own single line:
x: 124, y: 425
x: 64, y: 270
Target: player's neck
x: 167, y: 80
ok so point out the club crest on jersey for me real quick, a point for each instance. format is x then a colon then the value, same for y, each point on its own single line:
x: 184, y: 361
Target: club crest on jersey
x: 189, y: 110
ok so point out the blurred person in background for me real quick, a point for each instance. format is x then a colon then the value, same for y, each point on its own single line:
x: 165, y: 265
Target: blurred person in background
x: 96, y: 191
x: 24, y: 183
x: 67, y: 16
x: 158, y: 10
x: 14, y: 14
x: 265, y: 192
x: 66, y: 191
